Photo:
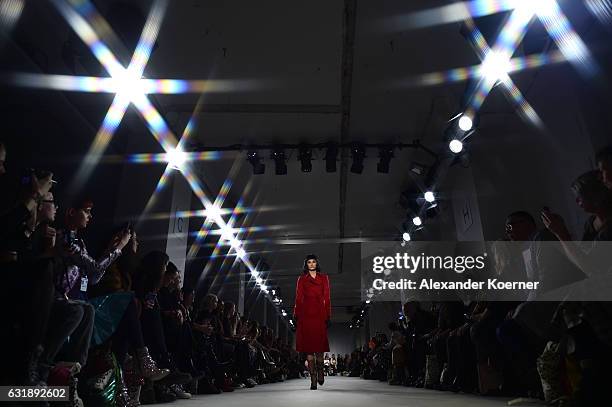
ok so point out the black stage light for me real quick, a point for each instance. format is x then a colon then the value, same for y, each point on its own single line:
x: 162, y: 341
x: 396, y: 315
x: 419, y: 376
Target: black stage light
x: 417, y: 168
x: 280, y: 161
x: 305, y: 157
x: 386, y: 154
x: 331, y: 157
x: 358, y: 154
x: 255, y: 160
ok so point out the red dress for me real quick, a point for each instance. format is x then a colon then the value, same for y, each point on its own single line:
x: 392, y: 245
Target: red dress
x: 312, y: 309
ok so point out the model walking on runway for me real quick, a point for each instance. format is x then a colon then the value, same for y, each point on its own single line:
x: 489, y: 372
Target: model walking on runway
x: 312, y: 313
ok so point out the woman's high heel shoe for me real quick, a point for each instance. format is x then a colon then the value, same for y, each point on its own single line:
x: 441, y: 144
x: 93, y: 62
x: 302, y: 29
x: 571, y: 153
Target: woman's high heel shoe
x: 320, y: 374
x: 313, y: 374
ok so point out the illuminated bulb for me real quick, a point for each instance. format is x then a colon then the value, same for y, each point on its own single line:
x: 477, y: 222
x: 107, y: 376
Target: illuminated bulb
x: 417, y: 221
x: 429, y: 196
x: 539, y: 7
x: 176, y: 158
x: 465, y: 123
x: 254, y: 273
x: 368, y: 301
x: 129, y: 85
x: 495, y: 66
x: 241, y: 253
x: 264, y: 288
x: 406, y: 236
x: 259, y: 280
x: 455, y: 146
x: 214, y: 212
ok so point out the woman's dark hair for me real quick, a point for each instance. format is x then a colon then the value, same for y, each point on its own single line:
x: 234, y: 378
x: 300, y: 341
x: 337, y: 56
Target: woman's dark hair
x: 591, y: 188
x: 152, y: 268
x: 604, y: 155
x: 171, y: 268
x: 311, y: 257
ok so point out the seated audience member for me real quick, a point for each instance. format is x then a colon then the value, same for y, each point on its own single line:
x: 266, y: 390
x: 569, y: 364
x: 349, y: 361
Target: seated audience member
x: 587, y: 323
x: 25, y: 269
x: 117, y: 327
x: 147, y: 284
x: 418, y: 324
x: 208, y: 330
x: 525, y: 332
x: 604, y: 165
x: 39, y: 266
x: 596, y: 200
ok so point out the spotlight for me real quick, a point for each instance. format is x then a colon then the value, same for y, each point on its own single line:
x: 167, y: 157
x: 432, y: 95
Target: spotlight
x: 264, y: 288
x: 259, y: 280
x: 254, y: 273
x: 385, y: 154
x: 417, y: 221
x: 455, y: 146
x: 368, y: 301
x: 255, y: 160
x: 429, y: 196
x: 465, y: 122
x: 495, y: 66
x: 358, y: 153
x: 280, y: 162
x: 176, y: 158
x: 330, y: 157
x: 305, y: 157
x: 406, y: 238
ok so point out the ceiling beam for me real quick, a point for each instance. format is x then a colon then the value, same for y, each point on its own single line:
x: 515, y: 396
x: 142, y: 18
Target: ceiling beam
x: 348, y: 52
x: 256, y: 108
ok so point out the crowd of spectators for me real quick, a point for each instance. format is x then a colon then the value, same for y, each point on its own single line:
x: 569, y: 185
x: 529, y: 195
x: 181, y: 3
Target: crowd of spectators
x: 557, y: 351
x: 118, y: 328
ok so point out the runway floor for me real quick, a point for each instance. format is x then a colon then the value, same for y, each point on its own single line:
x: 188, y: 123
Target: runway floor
x: 340, y: 392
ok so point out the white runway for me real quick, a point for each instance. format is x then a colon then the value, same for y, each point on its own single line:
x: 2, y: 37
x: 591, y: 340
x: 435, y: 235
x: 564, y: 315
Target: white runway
x: 340, y: 392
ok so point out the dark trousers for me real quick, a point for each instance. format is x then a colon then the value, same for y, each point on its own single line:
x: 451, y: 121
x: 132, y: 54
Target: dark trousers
x: 69, y: 319
x: 153, y: 334
x: 128, y: 334
x: 462, y: 360
x: 416, y: 357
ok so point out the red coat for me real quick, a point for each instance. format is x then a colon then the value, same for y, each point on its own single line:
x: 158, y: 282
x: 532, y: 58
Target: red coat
x: 312, y: 310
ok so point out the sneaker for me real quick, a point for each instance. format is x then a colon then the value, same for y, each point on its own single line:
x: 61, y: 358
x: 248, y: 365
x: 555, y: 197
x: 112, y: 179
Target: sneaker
x: 179, y: 392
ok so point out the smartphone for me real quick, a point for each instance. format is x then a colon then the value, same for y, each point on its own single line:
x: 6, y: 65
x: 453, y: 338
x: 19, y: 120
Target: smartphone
x: 151, y: 297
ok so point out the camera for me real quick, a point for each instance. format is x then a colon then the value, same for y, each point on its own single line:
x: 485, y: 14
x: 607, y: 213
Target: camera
x: 71, y: 238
